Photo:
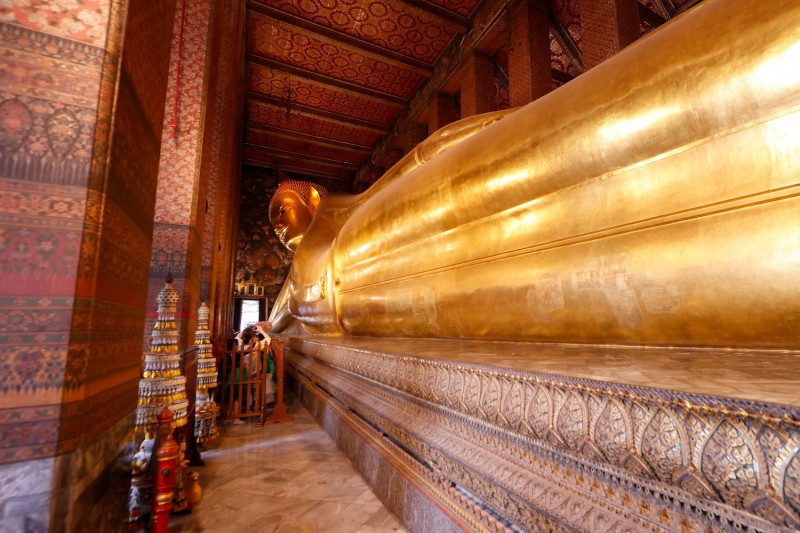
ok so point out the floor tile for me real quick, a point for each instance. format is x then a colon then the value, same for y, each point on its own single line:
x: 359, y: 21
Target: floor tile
x: 282, y: 478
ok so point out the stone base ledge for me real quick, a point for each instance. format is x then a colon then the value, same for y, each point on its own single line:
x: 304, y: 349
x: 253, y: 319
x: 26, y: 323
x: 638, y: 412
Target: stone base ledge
x: 552, y: 451
x: 422, y: 500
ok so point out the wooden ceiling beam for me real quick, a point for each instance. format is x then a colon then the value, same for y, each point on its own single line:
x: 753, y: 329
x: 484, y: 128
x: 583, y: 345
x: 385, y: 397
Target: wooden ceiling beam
x: 327, y: 80
x: 663, y: 5
x: 440, y: 12
x: 669, y: 6
x: 409, y: 63
x: 563, y: 77
x: 685, y: 7
x: 308, y: 110
x: 650, y: 16
x: 565, y: 40
x: 297, y: 169
x: 285, y: 154
x: 305, y: 137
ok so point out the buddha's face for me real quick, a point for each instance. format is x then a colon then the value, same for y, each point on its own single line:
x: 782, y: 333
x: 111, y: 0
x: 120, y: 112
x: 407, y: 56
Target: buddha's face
x: 291, y: 213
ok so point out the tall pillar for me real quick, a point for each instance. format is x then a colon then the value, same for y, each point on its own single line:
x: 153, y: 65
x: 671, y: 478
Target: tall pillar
x: 181, y: 197
x: 477, y: 85
x: 415, y: 134
x: 77, y: 182
x: 529, y: 57
x: 370, y: 177
x: 607, y: 26
x: 222, y: 166
x: 441, y: 112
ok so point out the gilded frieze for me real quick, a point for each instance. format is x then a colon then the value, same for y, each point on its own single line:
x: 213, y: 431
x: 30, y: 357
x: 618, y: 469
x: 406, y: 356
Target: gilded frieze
x: 654, y: 453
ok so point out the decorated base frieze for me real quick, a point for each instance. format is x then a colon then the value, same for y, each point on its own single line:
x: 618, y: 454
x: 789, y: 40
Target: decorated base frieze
x: 422, y: 499
x: 584, y: 455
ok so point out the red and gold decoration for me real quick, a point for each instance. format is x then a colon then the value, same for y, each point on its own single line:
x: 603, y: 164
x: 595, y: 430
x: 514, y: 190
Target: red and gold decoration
x: 168, y: 468
x: 279, y: 414
x: 162, y: 383
x: 205, y: 425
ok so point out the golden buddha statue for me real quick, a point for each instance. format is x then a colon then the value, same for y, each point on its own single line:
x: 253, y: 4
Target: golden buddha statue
x: 291, y: 209
x: 652, y: 200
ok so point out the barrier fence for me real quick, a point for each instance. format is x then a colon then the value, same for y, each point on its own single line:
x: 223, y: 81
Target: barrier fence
x: 245, y: 386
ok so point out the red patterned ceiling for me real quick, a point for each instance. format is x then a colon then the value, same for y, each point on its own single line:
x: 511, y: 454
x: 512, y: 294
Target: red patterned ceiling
x: 386, y: 23
x: 287, y: 87
x: 292, y: 163
x: 301, y: 49
x: 291, y: 145
x: 327, y: 79
x: 270, y: 115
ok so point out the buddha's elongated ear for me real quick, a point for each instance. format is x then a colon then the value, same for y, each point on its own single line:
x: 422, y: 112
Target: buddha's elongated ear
x: 313, y: 198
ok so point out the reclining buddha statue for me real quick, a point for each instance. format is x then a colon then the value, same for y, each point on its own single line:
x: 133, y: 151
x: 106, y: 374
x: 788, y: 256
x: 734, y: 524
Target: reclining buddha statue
x: 654, y: 200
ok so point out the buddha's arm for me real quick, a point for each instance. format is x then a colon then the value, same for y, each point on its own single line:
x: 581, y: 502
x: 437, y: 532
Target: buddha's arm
x: 280, y: 317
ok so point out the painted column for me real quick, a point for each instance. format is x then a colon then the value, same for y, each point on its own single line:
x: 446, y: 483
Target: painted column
x: 529, y: 57
x: 223, y: 163
x: 607, y: 26
x: 77, y: 190
x: 181, y: 194
x: 477, y: 85
x: 442, y: 111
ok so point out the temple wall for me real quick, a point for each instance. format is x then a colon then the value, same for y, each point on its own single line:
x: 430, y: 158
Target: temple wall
x: 260, y: 257
x: 78, y: 187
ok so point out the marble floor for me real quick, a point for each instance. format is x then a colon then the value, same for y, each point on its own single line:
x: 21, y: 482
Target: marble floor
x: 286, y: 477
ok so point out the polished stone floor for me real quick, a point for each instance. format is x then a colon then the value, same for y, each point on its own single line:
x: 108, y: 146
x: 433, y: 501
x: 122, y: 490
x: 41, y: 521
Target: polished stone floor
x: 286, y: 477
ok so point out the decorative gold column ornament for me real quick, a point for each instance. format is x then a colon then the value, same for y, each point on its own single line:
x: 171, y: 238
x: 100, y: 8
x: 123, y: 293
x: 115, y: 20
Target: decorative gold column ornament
x: 205, y: 425
x: 653, y: 200
x: 162, y: 383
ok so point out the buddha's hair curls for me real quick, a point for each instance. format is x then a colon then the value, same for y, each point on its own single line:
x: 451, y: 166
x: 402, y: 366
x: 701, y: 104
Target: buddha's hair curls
x: 300, y: 188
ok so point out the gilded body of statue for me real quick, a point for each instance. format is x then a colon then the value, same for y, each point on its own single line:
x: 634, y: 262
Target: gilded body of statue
x: 652, y: 200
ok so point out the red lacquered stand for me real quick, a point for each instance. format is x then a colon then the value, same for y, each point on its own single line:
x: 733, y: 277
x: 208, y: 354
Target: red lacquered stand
x: 279, y: 414
x: 166, y: 467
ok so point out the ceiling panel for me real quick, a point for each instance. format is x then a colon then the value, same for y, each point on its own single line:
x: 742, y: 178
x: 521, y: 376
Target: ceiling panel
x: 327, y: 80
x: 268, y: 139
x: 268, y: 114
x: 393, y: 25
x: 301, y: 49
x: 260, y: 156
x: 294, y: 89
x: 463, y: 7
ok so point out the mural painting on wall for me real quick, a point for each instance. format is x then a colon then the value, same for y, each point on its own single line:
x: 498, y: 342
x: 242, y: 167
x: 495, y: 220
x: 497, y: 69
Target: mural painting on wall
x: 260, y: 256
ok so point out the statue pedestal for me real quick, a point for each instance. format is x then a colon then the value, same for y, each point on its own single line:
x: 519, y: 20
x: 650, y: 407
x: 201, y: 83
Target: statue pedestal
x: 562, y: 436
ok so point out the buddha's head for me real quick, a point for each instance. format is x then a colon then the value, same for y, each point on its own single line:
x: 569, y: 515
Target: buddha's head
x: 292, y: 208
